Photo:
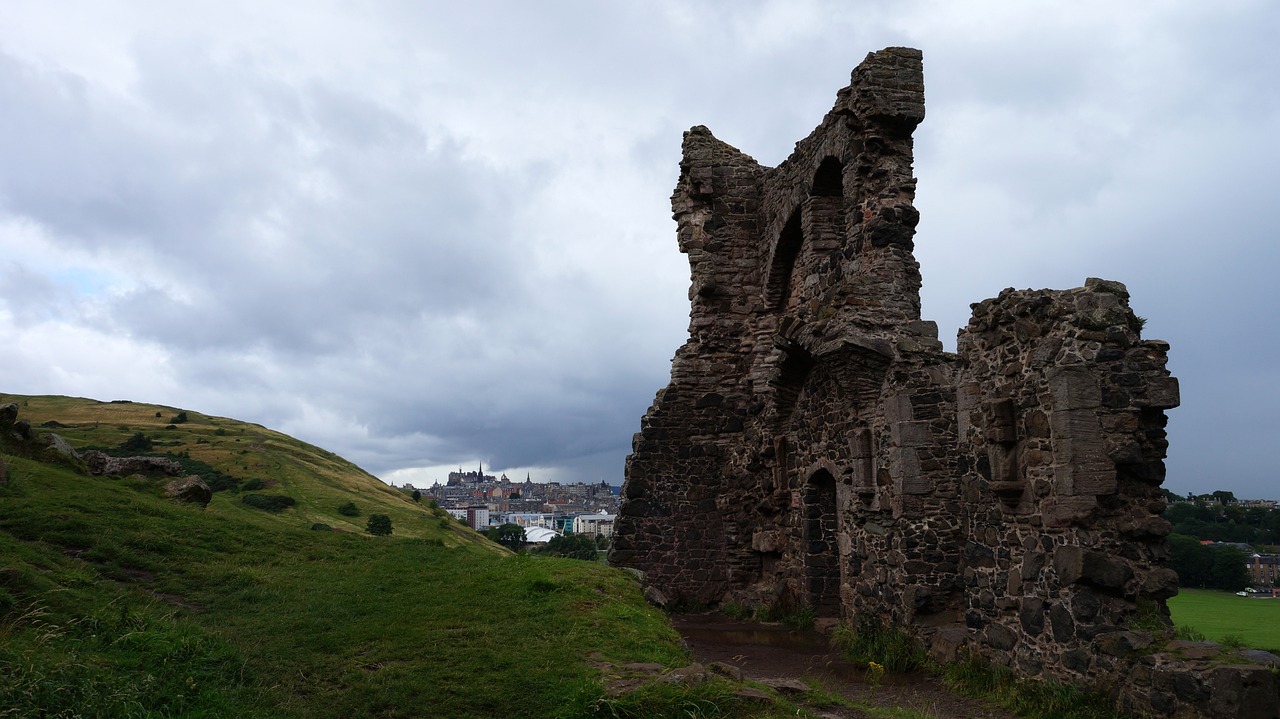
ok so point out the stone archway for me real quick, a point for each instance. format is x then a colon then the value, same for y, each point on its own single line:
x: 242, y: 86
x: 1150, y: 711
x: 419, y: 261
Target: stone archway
x: 822, y: 556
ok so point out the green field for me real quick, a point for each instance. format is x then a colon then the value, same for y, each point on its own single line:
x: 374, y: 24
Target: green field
x: 1218, y: 614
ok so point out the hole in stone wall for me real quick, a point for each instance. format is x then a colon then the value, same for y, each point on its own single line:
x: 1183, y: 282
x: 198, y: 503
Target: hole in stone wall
x: 828, y: 181
x: 790, y: 241
x: 822, y: 558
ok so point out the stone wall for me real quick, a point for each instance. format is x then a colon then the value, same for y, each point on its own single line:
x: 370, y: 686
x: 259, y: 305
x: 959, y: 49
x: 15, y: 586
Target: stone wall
x: 817, y: 448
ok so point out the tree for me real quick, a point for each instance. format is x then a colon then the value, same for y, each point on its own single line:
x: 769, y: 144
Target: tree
x: 178, y: 418
x: 417, y: 496
x: 573, y: 546
x: 379, y: 525
x: 1228, y: 569
x: 1207, y: 566
x: 508, y: 535
x: 349, y: 510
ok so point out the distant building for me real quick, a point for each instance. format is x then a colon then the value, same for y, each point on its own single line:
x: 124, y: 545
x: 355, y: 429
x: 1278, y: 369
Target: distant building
x: 593, y: 524
x: 1264, y: 570
x: 478, y: 517
x: 539, y: 535
x: 526, y: 519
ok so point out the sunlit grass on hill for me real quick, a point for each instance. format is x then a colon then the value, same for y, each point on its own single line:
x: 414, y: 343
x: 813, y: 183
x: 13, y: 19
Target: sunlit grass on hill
x: 115, y: 601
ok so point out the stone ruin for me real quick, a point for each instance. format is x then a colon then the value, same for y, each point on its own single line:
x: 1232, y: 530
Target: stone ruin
x: 817, y: 448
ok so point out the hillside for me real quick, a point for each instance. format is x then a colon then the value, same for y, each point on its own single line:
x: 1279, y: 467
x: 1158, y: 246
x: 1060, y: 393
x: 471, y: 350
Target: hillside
x: 116, y: 601
x: 317, y: 480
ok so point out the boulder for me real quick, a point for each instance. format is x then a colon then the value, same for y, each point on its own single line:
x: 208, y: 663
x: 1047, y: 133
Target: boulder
x: 61, y: 447
x: 190, y: 489
x: 100, y: 463
x: 8, y: 415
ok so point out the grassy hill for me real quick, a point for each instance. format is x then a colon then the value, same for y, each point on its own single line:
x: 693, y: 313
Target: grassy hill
x: 116, y: 601
x: 317, y: 480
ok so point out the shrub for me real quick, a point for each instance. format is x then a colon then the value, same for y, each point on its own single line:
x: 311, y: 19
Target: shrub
x: 217, y: 481
x: 379, y: 525
x: 872, y: 641
x: 321, y: 527
x: 268, y: 502
x: 254, y: 484
x: 348, y: 510
x: 573, y: 546
x: 139, y: 442
x: 1188, y: 634
x: 178, y: 418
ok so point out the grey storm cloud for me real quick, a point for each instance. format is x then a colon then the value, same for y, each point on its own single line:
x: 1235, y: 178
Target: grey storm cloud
x: 424, y: 235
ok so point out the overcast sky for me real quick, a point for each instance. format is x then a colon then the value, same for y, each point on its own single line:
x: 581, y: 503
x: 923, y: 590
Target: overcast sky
x: 427, y: 234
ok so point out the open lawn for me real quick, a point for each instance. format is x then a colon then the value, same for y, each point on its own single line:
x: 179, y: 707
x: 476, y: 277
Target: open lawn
x: 1219, y: 614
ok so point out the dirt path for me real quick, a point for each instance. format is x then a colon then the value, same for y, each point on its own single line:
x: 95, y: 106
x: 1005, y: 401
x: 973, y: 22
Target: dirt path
x: 770, y: 651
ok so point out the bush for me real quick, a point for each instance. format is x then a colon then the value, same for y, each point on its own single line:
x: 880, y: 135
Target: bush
x: 379, y: 525
x: 254, y: 484
x: 268, y: 502
x: 349, y: 510
x: 139, y: 442
x: 216, y: 480
x: 508, y: 535
x: 178, y: 418
x: 321, y: 527
x: 872, y: 641
x: 573, y: 546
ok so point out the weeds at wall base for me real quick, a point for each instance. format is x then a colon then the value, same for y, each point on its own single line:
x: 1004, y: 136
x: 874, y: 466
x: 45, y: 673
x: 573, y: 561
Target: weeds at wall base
x: 977, y: 678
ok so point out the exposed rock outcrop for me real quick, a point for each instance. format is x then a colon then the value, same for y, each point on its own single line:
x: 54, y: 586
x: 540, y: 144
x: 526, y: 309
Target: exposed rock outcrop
x: 190, y: 489
x: 100, y: 463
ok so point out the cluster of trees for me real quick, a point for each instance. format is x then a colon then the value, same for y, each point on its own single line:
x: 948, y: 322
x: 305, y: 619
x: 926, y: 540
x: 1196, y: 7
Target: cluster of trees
x: 1207, y: 566
x: 573, y: 546
x: 1209, y: 516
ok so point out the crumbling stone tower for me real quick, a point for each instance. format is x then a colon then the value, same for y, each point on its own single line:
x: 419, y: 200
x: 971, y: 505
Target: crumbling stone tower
x: 817, y: 448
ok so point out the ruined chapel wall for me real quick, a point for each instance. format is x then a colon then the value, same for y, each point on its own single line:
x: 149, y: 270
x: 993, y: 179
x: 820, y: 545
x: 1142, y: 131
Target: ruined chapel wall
x: 1062, y: 419
x: 817, y: 448
x: 676, y: 468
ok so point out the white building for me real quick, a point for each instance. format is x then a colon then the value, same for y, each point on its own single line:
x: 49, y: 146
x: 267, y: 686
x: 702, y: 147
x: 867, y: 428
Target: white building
x: 527, y: 519
x: 539, y: 535
x: 593, y: 524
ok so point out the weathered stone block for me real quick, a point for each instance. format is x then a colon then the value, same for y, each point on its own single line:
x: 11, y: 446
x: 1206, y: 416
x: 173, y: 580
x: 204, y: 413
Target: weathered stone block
x: 1074, y: 388
x: 1077, y: 564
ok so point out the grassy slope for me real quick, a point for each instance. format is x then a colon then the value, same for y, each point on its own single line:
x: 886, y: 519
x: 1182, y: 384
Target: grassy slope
x: 117, y: 602
x: 318, y: 480
x: 1218, y: 614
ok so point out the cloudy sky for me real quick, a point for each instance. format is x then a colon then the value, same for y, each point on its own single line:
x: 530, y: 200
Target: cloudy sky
x: 424, y: 234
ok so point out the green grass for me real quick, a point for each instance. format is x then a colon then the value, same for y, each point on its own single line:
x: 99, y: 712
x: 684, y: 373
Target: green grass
x: 117, y: 602
x: 1219, y: 615
x: 1025, y: 697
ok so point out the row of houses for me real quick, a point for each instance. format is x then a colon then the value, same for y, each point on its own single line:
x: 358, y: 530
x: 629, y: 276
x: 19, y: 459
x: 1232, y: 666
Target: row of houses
x: 481, y: 517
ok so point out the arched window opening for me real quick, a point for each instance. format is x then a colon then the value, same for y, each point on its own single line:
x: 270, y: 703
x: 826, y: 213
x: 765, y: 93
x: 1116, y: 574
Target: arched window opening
x: 828, y: 181
x: 822, y: 556
x: 778, y: 291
